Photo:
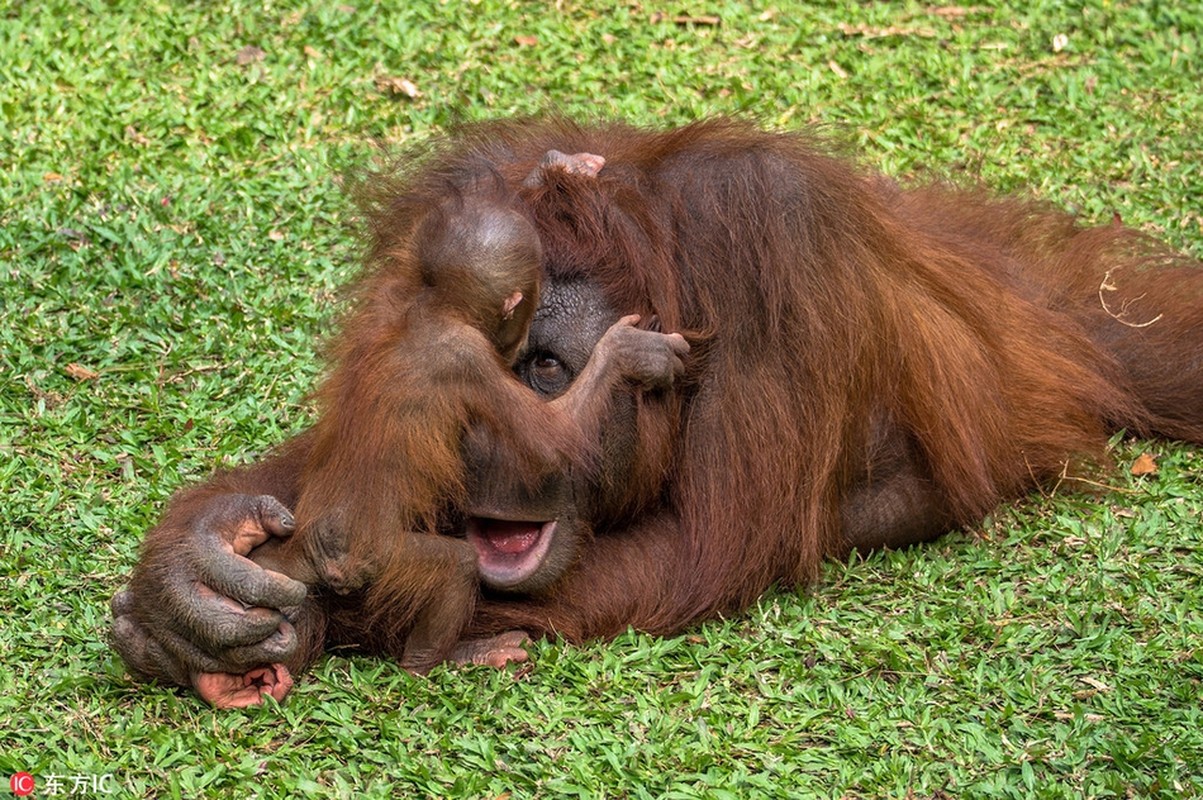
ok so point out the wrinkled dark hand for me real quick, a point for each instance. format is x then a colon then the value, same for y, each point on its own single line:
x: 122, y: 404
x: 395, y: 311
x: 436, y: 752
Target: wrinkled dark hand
x: 647, y: 358
x: 198, y: 612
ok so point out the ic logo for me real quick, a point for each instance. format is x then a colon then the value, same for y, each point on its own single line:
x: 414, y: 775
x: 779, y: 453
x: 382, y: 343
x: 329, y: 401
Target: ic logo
x: 21, y: 784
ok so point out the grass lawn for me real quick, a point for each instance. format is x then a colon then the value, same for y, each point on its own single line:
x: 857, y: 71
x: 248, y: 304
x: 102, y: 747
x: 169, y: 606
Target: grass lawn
x: 172, y: 240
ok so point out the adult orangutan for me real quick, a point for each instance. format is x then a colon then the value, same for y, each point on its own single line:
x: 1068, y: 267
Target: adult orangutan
x: 871, y: 366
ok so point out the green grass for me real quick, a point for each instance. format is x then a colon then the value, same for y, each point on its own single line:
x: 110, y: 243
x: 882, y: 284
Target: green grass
x: 170, y: 220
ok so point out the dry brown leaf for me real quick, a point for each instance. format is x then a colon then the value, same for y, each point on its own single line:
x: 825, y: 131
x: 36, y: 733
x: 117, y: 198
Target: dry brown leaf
x: 132, y: 134
x: 51, y: 399
x: 659, y: 16
x: 526, y: 41
x: 249, y: 55
x: 398, y: 86
x: 870, y: 32
x: 952, y: 12
x: 81, y: 373
x: 75, y: 239
x: 1144, y: 464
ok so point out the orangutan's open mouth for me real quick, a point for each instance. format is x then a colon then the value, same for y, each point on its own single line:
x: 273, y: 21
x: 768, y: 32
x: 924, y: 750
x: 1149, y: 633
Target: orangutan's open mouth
x: 509, y: 551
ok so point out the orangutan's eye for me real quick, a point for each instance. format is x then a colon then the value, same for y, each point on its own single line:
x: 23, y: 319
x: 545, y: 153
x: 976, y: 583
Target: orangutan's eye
x: 545, y: 373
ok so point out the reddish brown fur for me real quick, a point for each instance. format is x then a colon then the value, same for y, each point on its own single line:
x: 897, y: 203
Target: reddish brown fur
x: 415, y: 367
x: 844, y: 325
x: 971, y: 323
x: 410, y: 372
